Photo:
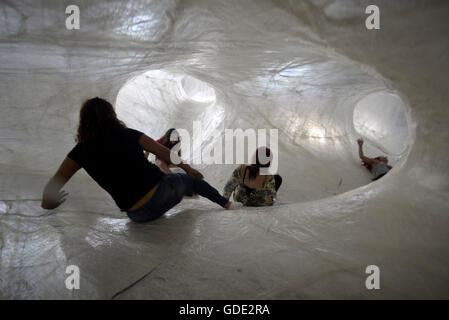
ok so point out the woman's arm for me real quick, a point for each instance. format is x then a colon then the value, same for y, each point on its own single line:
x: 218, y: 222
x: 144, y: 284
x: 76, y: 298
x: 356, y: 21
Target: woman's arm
x: 364, y: 158
x: 163, y: 165
x: 270, y: 190
x: 53, y: 197
x: 164, y: 153
x: 232, y: 183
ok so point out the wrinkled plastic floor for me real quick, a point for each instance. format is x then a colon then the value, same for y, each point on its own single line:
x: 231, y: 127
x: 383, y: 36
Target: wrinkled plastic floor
x: 301, y: 68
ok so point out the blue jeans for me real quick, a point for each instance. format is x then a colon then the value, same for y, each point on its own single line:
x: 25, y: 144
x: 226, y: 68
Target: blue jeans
x: 172, y: 188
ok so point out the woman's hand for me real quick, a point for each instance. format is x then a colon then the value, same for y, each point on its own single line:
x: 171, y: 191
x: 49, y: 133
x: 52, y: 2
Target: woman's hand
x: 53, y: 201
x: 360, y: 142
x: 53, y: 196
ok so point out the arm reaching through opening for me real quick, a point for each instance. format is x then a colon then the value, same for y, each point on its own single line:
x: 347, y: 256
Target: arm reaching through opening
x: 365, y: 159
x: 232, y: 183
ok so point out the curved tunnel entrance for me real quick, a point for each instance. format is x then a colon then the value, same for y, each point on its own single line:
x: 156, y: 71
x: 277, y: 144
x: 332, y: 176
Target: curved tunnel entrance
x: 381, y: 118
x: 156, y: 98
x: 321, y: 161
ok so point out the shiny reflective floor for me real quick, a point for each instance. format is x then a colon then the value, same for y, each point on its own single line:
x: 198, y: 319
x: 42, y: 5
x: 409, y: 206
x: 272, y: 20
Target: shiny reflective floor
x: 309, y: 69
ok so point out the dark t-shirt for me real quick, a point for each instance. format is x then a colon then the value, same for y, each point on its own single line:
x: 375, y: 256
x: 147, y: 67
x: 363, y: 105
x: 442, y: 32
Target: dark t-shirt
x: 119, y: 166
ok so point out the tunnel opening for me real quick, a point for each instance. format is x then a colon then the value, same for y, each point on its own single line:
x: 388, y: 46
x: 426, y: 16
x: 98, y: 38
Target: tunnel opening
x: 381, y: 119
x: 157, y: 100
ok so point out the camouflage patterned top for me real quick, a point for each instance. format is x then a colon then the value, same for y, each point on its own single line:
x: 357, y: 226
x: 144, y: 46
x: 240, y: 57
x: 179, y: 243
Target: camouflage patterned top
x: 250, y: 197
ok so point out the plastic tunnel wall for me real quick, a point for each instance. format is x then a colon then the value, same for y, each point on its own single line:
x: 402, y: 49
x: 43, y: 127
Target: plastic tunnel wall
x: 309, y: 69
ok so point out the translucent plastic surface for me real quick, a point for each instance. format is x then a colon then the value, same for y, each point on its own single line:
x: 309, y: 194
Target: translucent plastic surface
x: 308, y: 68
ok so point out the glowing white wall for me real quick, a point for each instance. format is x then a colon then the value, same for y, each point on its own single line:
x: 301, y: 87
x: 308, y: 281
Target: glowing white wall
x: 301, y: 67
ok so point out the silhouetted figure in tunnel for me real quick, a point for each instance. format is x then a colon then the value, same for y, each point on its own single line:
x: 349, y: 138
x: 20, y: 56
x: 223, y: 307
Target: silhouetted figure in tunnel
x: 112, y: 155
x: 170, y: 139
x: 377, y: 166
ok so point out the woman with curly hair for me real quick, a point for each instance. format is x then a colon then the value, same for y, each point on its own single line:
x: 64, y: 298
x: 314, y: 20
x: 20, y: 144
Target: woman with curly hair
x: 112, y: 155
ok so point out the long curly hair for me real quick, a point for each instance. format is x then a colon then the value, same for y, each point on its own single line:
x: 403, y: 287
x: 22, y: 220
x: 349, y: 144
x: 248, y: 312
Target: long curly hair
x: 97, y: 120
x: 165, y: 139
